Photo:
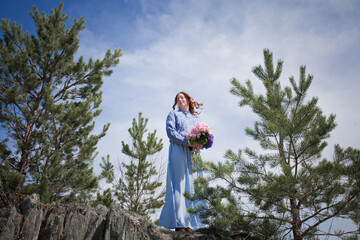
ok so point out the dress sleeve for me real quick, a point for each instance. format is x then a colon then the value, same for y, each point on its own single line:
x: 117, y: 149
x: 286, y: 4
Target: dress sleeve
x: 171, y: 131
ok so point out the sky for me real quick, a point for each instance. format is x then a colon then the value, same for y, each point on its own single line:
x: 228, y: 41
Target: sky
x: 199, y: 46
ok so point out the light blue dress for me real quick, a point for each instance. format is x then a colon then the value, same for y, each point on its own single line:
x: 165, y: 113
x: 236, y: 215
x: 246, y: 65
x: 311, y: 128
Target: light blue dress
x: 180, y: 177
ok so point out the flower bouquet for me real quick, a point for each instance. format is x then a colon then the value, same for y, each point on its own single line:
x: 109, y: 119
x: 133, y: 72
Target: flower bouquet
x: 200, y: 137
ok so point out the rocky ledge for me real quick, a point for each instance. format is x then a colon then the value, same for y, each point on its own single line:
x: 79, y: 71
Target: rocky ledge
x: 35, y: 220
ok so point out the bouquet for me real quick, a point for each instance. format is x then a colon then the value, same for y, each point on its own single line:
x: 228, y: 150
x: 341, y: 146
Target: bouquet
x: 200, y: 137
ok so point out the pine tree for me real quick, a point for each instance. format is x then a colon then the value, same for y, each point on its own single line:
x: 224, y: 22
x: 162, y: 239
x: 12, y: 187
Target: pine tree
x: 105, y: 198
x: 48, y: 103
x: 136, y: 189
x: 288, y: 190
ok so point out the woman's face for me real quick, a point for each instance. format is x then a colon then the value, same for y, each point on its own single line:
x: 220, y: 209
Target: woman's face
x: 182, y: 102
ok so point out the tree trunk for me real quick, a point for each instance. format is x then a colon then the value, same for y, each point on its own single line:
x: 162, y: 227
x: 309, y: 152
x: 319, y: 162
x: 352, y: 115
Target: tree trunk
x: 296, y: 221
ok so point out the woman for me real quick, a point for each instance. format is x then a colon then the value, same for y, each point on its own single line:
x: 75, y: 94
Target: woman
x: 180, y: 177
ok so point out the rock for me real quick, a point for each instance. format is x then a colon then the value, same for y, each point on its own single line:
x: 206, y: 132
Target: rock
x: 32, y: 216
x: 10, y: 221
x: 34, y: 220
x: 133, y: 227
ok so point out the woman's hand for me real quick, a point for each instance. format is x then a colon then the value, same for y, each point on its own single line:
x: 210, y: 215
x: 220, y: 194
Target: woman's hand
x: 195, y: 145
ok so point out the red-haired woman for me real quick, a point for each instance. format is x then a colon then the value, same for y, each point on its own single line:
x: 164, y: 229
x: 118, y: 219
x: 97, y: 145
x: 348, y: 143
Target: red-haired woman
x: 180, y: 177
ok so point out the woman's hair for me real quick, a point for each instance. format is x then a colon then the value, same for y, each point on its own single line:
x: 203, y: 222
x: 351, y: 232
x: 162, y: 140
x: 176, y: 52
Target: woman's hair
x: 193, y: 105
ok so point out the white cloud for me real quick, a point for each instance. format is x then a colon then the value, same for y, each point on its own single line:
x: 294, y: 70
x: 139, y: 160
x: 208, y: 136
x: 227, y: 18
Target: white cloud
x: 198, y: 46
x: 203, y: 45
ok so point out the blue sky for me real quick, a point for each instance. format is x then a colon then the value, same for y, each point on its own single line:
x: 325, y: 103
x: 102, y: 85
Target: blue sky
x: 198, y: 46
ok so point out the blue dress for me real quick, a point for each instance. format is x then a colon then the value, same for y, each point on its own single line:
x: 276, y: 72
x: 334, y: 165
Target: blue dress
x: 180, y: 177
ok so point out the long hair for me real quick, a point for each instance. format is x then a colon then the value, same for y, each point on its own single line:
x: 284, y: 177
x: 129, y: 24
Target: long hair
x: 193, y: 105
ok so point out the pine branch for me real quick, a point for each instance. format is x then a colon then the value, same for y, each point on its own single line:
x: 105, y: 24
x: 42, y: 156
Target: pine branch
x: 338, y: 234
x: 15, y: 129
x: 296, y: 157
x: 233, y: 185
x: 335, y: 213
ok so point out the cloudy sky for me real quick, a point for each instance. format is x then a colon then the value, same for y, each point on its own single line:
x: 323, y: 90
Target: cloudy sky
x: 199, y: 46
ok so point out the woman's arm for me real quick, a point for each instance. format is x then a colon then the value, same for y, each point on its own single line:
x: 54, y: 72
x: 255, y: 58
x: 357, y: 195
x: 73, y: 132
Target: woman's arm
x: 174, y: 135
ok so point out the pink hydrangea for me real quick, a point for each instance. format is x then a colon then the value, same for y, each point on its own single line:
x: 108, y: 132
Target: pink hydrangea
x: 198, y: 129
x: 196, y: 138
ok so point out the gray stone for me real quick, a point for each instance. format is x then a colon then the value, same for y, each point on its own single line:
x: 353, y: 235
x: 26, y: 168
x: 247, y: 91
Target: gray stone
x: 53, y: 224
x: 125, y: 225
x: 10, y: 221
x: 32, y: 218
x: 74, y: 221
x: 80, y: 221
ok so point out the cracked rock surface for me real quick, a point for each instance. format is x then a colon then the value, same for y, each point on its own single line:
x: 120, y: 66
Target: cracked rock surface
x: 74, y: 221
x: 33, y: 220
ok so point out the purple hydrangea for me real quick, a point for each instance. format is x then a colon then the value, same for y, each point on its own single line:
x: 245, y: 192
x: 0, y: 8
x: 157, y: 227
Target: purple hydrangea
x: 210, y: 142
